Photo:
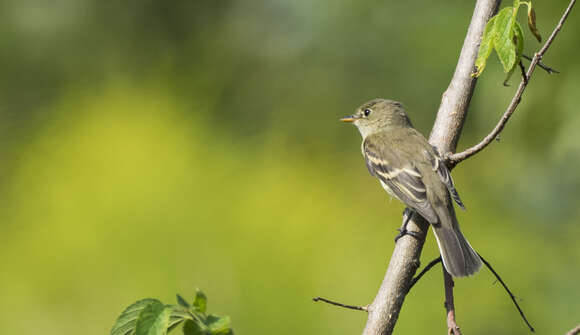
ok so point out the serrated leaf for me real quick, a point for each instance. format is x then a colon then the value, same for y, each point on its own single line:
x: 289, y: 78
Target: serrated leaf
x: 219, y: 325
x: 182, y: 301
x: 532, y: 22
x: 192, y: 328
x: 485, y: 47
x: 200, y: 301
x: 153, y: 320
x: 503, y: 38
x: 127, y: 321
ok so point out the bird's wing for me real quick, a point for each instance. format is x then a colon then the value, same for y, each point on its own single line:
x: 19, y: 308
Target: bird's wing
x: 403, y: 179
x: 439, y: 166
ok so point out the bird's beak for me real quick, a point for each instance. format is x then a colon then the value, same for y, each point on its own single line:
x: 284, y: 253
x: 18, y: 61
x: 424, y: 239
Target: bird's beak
x: 349, y: 119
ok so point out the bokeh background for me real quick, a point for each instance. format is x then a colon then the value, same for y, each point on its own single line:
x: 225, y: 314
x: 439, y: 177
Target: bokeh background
x: 152, y: 147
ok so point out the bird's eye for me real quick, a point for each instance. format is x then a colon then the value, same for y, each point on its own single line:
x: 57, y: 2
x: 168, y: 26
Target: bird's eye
x: 367, y: 112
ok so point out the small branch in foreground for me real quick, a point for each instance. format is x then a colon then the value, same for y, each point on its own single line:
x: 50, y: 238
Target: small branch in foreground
x: 512, y: 296
x: 358, y: 308
x: 424, y: 271
x: 458, y: 157
x: 452, y: 328
x: 574, y: 331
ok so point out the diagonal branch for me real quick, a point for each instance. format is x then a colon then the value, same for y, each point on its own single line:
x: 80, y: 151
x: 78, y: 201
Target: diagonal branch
x: 574, y: 331
x: 383, y: 312
x: 512, y: 296
x: 458, y: 157
x: 424, y: 271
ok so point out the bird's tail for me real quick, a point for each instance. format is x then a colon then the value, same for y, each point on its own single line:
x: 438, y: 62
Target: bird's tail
x: 459, y: 258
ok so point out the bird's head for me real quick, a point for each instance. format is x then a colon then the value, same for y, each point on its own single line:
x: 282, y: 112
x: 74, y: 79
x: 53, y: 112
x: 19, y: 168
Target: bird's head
x: 379, y: 115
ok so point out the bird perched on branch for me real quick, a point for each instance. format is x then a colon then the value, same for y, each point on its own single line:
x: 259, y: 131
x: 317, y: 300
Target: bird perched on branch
x: 412, y: 171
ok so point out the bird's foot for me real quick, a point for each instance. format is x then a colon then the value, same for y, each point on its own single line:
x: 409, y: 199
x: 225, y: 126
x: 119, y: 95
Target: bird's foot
x: 407, y: 214
x: 404, y: 231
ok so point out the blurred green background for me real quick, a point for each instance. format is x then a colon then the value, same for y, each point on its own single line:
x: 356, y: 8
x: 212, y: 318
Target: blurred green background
x: 151, y: 147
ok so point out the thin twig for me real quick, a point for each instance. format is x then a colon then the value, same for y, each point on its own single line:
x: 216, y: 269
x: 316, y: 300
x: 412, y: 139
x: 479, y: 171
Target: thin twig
x: 424, y: 271
x: 512, y: 296
x: 450, y: 297
x: 358, y: 308
x: 497, y: 276
x: 458, y: 157
x: 574, y: 331
x: 542, y: 65
x: 452, y: 327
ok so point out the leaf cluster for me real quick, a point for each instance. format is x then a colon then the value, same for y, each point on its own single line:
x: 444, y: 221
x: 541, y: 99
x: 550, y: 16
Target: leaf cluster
x: 152, y: 317
x: 505, y: 35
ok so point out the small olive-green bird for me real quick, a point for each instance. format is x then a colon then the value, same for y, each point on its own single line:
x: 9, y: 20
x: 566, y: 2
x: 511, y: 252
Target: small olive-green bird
x: 411, y: 170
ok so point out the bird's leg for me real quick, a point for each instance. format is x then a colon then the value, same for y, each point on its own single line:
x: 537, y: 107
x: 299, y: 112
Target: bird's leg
x: 407, y: 215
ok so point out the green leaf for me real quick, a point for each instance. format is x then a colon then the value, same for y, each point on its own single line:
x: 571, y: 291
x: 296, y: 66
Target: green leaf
x: 519, y: 39
x: 485, y: 47
x: 153, y: 320
x: 219, y: 325
x: 178, y: 315
x: 503, y: 38
x: 532, y: 22
x: 127, y: 321
x: 173, y: 323
x: 200, y: 301
x: 178, y: 312
x: 182, y: 301
x: 192, y: 328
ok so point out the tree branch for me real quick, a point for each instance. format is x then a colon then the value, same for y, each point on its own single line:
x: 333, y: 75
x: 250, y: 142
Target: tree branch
x: 358, y: 308
x: 458, y: 157
x: 424, y: 271
x: 574, y: 331
x: 452, y: 327
x: 542, y: 65
x: 512, y: 296
x: 383, y: 312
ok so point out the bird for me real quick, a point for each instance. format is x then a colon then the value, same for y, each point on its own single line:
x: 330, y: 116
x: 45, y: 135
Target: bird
x: 412, y: 171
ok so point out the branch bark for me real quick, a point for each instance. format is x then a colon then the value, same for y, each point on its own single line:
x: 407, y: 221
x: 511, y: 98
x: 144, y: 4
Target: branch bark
x: 452, y: 327
x: 383, y: 312
x: 574, y: 331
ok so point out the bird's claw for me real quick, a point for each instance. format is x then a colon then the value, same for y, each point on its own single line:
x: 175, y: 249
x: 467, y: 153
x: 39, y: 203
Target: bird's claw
x: 403, y: 232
